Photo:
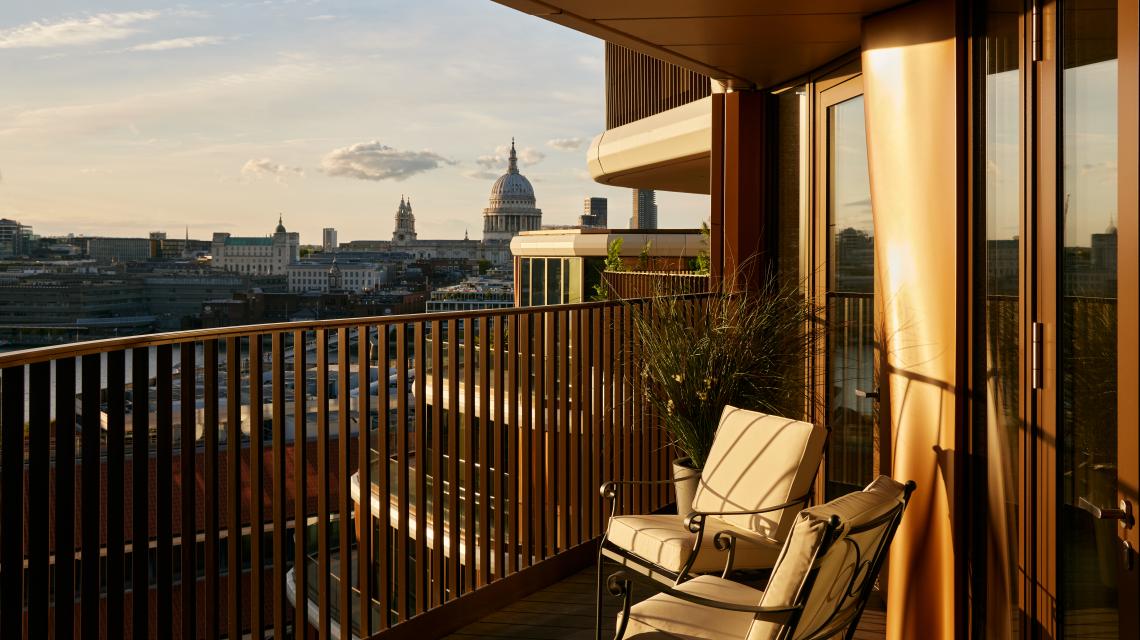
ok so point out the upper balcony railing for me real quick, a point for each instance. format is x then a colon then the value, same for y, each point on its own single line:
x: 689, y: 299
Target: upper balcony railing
x: 639, y: 86
x: 417, y: 459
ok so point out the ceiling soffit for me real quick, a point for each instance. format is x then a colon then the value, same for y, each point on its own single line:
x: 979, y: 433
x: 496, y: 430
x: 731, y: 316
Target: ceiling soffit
x: 744, y: 42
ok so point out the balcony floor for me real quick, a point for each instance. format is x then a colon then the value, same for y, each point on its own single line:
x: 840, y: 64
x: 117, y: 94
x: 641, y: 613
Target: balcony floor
x: 566, y: 610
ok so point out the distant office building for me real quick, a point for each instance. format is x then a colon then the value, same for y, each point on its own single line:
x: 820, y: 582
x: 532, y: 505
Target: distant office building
x: 157, y: 235
x: 120, y: 249
x: 595, y: 213
x: 265, y: 255
x: 328, y: 239
x: 14, y: 238
x: 644, y: 209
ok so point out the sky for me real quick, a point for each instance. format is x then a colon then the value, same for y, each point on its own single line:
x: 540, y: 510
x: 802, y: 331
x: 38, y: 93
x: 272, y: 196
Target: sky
x: 123, y: 117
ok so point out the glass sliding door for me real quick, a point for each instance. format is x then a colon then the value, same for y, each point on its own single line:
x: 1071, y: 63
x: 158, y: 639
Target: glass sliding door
x: 852, y: 350
x: 1089, y: 549
x: 999, y: 428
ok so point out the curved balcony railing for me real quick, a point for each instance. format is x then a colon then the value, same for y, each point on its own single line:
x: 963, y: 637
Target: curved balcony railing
x: 201, y: 468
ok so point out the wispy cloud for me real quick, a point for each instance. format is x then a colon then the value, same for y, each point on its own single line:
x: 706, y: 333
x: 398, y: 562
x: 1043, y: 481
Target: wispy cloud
x: 266, y: 168
x: 101, y: 27
x: 189, y: 42
x: 324, y: 17
x: 566, y: 144
x: 376, y: 161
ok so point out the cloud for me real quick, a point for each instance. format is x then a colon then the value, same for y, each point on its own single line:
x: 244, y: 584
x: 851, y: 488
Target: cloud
x: 100, y: 27
x: 482, y: 174
x: 566, y: 144
x: 498, y: 160
x: 376, y: 161
x: 324, y: 17
x: 266, y: 168
x: 178, y: 43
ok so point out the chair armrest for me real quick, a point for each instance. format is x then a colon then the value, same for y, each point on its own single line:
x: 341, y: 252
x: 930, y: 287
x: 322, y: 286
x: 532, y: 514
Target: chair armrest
x: 695, y: 519
x: 608, y: 489
x: 619, y: 584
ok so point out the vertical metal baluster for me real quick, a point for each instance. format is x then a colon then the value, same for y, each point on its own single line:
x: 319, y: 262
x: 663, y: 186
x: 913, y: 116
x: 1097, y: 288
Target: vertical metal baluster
x: 595, y: 409
x: 210, y: 504
x: 507, y: 432
x: 233, y: 487
x: 344, y: 473
x: 323, y: 619
x: 280, y: 485
x: 453, y: 455
x: 579, y: 468
x: 489, y: 470
x: 12, y: 502
x: 164, y: 489
x: 422, y: 570
x: 438, y: 466
x: 566, y: 474
x: 300, y: 487
x: 256, y: 489
x: 470, y: 519
x: 545, y: 426
x: 386, y: 585
x: 140, y: 453
x: 38, y: 496
x: 90, y: 499
x: 403, y: 608
x: 365, y: 520
x: 610, y: 469
x: 525, y: 388
x: 65, y: 509
x: 188, y: 526
x: 116, y: 463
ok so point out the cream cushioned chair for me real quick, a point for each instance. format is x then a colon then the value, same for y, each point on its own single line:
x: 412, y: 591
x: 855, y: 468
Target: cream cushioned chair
x: 818, y: 588
x: 756, y: 479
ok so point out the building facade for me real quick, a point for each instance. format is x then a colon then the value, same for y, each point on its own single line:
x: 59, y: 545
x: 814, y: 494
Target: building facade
x: 325, y: 273
x: 644, y: 209
x: 328, y: 239
x: 595, y: 213
x: 14, y: 238
x: 473, y: 294
x: 257, y: 255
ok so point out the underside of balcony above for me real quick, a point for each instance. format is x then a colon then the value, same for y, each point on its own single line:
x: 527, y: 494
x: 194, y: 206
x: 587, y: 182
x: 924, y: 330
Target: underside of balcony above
x: 743, y: 43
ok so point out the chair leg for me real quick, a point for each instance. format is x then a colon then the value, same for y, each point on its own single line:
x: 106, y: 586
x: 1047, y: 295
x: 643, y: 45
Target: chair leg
x: 598, y: 595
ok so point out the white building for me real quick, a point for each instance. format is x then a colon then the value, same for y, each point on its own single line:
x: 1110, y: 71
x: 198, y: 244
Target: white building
x: 328, y: 239
x: 320, y: 275
x: 266, y: 255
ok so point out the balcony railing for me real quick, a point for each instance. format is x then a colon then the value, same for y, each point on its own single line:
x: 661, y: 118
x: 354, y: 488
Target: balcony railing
x: 222, y: 473
x: 623, y: 285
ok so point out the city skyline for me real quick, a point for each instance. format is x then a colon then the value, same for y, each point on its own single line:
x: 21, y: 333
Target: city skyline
x: 128, y: 117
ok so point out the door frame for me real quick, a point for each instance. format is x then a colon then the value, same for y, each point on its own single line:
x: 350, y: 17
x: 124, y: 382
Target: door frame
x: 839, y: 85
x: 1044, y: 201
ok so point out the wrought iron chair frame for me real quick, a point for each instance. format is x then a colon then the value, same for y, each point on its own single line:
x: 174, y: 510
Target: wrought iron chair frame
x: 695, y: 521
x: 619, y: 583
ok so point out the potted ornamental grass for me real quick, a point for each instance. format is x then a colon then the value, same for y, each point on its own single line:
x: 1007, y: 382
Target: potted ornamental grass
x: 749, y: 349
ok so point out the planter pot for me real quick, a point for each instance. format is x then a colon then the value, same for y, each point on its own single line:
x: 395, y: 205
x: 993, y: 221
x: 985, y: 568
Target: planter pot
x: 686, y: 477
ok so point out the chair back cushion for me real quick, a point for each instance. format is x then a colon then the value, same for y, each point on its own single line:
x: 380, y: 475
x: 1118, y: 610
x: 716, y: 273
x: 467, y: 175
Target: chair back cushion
x: 845, y: 565
x: 759, y: 460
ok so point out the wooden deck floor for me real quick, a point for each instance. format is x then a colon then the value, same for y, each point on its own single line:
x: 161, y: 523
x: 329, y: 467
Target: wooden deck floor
x: 566, y: 610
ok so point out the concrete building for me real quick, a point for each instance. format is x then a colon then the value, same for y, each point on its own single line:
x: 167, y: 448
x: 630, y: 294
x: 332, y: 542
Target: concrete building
x: 354, y: 272
x: 644, y: 209
x: 108, y: 250
x: 14, y: 238
x: 257, y: 255
x: 328, y: 239
x: 595, y: 213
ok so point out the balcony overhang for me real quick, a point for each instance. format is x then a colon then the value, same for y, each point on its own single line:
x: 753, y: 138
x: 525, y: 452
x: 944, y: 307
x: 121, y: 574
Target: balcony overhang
x: 744, y: 43
x: 668, y: 151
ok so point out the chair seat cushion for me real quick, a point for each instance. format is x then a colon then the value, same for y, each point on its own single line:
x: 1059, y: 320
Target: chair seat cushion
x: 664, y: 540
x: 664, y: 616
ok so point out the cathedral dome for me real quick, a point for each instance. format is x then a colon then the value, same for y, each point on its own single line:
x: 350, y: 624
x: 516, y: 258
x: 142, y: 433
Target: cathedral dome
x: 512, y: 185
